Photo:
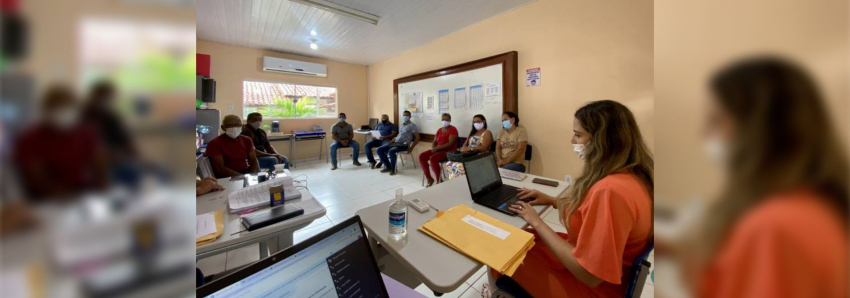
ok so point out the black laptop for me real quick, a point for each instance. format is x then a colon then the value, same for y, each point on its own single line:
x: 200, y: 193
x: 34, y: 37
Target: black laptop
x: 485, y: 184
x: 335, y: 263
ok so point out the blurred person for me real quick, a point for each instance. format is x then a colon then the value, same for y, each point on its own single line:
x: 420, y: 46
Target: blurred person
x: 510, y: 146
x: 267, y: 156
x: 121, y: 153
x: 388, y: 131
x: 779, y: 228
x: 608, y: 211
x: 206, y: 185
x: 343, y: 135
x: 60, y: 156
x: 406, y: 141
x: 445, y: 141
x: 231, y: 153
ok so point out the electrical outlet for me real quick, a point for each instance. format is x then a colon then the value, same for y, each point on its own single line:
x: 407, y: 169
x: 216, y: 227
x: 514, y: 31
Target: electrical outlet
x: 230, y: 108
x: 568, y: 179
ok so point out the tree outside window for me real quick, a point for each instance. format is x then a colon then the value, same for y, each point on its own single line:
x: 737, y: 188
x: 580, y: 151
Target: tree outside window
x: 288, y: 101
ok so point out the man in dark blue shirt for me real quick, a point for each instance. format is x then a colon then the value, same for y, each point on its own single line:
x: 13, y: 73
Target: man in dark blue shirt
x: 388, y: 131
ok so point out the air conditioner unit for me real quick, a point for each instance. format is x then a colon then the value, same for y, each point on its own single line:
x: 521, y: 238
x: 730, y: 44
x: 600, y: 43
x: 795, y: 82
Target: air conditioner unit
x: 272, y: 64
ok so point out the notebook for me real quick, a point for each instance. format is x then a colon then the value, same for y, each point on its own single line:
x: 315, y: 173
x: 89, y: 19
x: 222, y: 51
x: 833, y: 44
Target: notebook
x: 256, y: 196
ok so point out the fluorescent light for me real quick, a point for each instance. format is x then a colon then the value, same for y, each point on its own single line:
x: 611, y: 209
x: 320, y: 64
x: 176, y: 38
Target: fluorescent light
x: 313, y: 32
x: 342, y: 10
x: 314, y: 46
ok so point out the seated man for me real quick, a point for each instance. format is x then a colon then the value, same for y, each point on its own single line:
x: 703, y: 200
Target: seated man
x: 232, y: 154
x: 406, y: 140
x: 266, y: 155
x: 60, y: 156
x: 343, y: 135
x: 388, y: 131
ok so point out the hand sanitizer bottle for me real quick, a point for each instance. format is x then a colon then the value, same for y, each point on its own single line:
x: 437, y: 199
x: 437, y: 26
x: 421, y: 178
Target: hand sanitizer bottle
x: 398, y: 216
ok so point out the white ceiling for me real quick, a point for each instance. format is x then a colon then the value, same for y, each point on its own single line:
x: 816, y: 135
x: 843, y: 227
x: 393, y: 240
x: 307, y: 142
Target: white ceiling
x: 285, y: 26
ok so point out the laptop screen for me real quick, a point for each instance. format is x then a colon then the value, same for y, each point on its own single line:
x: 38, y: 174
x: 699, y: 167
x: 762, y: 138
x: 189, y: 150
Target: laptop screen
x: 339, y: 265
x: 482, y: 173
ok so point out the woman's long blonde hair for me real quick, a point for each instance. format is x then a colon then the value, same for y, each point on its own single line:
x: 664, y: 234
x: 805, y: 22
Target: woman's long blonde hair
x: 616, y: 145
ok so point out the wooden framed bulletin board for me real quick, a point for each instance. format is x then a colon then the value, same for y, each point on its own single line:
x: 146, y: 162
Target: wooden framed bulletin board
x: 486, y: 86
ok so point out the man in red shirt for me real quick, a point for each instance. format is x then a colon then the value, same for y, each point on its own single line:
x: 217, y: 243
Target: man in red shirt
x: 60, y: 157
x: 232, y: 154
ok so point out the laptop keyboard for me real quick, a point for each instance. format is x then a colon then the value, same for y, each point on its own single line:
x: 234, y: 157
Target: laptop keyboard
x: 499, y: 196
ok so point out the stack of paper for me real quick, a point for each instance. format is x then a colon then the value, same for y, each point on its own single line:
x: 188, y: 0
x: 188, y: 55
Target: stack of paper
x: 479, y: 236
x: 208, y: 227
x: 256, y: 196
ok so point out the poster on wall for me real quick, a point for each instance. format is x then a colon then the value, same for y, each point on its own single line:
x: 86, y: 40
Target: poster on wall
x: 476, y: 97
x: 532, y: 77
x: 444, y: 101
x: 414, y: 104
x: 460, y: 98
x: 493, y: 89
x: 430, y: 104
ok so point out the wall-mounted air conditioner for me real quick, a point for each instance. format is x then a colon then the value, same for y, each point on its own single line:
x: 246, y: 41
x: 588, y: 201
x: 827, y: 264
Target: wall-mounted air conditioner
x: 272, y: 64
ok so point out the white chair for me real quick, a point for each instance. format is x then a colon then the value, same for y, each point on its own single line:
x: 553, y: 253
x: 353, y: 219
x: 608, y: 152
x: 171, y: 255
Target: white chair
x: 412, y: 160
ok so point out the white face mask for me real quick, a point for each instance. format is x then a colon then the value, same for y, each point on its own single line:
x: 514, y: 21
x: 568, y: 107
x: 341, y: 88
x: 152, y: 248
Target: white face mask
x: 579, y: 149
x: 446, y: 123
x: 256, y: 124
x: 478, y: 126
x: 717, y: 149
x: 234, y: 132
x: 64, y: 118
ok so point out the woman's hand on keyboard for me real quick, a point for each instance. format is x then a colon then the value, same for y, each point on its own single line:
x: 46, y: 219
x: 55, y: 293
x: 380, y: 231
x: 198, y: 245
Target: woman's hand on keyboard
x: 535, y: 197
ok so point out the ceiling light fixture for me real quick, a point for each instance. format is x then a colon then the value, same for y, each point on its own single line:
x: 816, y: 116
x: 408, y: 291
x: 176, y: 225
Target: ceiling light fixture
x: 313, y: 44
x: 313, y: 32
x: 339, y: 9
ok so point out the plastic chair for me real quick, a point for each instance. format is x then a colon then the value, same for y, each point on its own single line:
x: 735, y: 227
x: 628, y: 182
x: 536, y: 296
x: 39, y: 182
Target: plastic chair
x: 639, y: 271
x: 338, y: 159
x: 528, y: 158
x: 413, y: 160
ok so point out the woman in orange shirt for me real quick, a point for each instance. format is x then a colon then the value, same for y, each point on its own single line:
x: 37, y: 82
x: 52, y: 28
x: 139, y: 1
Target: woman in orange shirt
x: 608, y: 212
x: 779, y: 228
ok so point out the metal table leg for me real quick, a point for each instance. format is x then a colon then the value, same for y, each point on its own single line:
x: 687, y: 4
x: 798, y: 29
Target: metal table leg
x: 292, y: 150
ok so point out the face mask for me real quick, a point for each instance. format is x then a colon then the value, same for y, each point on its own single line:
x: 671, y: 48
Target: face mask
x: 341, y: 119
x: 256, y: 125
x: 233, y: 132
x: 64, y: 117
x: 506, y: 124
x: 384, y: 121
x: 478, y: 126
x: 446, y: 123
x: 579, y: 149
x: 405, y: 118
x: 717, y: 150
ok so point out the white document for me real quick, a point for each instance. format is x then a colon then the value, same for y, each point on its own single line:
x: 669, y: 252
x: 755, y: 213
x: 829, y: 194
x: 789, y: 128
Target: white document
x: 460, y: 98
x: 376, y: 133
x: 476, y: 97
x: 493, y: 89
x: 257, y: 195
x: 486, y: 227
x: 204, y: 224
x: 532, y: 77
x: 444, y: 101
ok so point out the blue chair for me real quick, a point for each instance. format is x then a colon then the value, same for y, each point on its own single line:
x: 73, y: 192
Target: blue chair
x: 639, y: 271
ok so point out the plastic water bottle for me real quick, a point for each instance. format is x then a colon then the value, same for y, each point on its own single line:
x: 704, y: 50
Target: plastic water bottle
x: 398, y: 216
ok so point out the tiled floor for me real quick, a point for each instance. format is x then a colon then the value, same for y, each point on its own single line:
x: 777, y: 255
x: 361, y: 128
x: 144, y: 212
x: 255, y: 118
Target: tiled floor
x: 348, y: 189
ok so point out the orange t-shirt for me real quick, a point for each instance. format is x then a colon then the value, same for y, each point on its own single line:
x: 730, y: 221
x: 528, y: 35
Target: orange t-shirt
x: 610, y: 228
x: 791, y: 245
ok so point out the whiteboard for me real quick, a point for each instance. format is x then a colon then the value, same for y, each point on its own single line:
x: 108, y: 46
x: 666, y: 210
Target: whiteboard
x: 477, y: 91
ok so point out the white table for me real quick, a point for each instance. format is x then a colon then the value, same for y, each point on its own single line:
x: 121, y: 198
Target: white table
x: 282, y: 231
x: 441, y: 268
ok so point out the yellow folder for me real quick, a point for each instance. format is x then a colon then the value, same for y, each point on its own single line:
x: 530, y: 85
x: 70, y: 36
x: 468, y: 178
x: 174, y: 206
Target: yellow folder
x: 498, y: 245
x: 219, y: 229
